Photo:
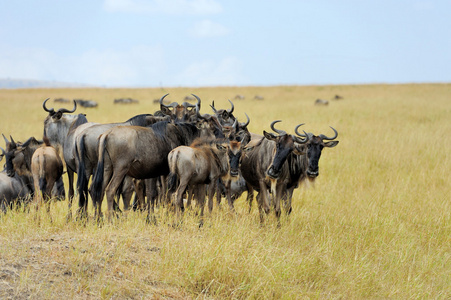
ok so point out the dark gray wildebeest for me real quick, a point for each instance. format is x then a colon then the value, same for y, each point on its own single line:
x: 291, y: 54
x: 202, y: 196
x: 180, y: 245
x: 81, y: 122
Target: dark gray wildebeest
x: 19, y: 161
x: 322, y: 102
x: 139, y: 152
x: 302, y: 167
x: 201, y: 164
x: 86, y: 144
x: 125, y: 101
x: 86, y: 103
x: 225, y: 117
x: 12, y: 188
x: 179, y: 112
x: 61, y: 129
x: 264, y: 166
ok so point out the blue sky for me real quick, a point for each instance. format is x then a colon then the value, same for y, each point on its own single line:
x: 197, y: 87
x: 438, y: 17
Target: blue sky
x: 171, y: 43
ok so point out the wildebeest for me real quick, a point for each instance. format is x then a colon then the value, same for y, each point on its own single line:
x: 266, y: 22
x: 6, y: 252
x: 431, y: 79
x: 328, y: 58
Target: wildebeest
x: 86, y: 144
x: 302, y: 167
x: 19, y: 160
x: 258, y: 97
x: 239, y: 97
x: 225, y: 117
x: 125, y: 101
x: 321, y: 102
x: 264, y: 166
x: 202, y: 163
x: 12, y: 188
x: 138, y: 152
x: 61, y: 129
x: 179, y: 112
x: 46, y: 169
x: 62, y: 100
x: 86, y: 103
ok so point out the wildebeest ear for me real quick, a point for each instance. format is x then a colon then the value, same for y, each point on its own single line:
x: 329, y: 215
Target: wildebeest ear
x: 220, y: 147
x: 247, y: 149
x: 269, y: 135
x: 331, y: 144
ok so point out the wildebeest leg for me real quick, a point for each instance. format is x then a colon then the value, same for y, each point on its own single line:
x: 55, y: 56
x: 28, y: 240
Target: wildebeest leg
x: 200, y: 196
x: 48, y: 196
x: 152, y: 194
x: 229, y: 194
x: 112, y: 187
x: 127, y: 192
x: 211, y: 192
x: 277, y: 196
x: 250, y: 195
x: 70, y: 176
x: 83, y: 197
x: 179, y: 207
x: 139, y: 201
x: 288, y: 195
x: 264, y: 196
x: 189, y: 197
x: 163, y: 190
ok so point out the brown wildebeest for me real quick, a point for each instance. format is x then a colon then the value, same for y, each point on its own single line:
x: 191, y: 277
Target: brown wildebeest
x: 264, y: 167
x: 47, y: 169
x: 139, y: 152
x: 179, y: 112
x: 202, y: 163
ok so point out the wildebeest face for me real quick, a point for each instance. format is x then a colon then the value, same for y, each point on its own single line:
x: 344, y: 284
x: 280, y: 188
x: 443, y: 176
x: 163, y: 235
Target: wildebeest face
x: 284, y: 146
x: 315, y: 147
x: 234, y: 155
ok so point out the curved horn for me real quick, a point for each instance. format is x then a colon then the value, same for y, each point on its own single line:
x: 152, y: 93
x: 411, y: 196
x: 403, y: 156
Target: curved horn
x: 161, y: 100
x: 305, y: 136
x: 247, y: 123
x: 231, y: 110
x: 300, y: 134
x: 322, y: 136
x: 280, y: 132
x: 51, y: 110
x: 213, y: 106
x: 6, y: 140
x: 198, y: 100
x: 64, y: 110
x: 13, y: 143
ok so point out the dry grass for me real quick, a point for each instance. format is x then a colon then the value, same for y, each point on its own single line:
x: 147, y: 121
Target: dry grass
x: 377, y: 224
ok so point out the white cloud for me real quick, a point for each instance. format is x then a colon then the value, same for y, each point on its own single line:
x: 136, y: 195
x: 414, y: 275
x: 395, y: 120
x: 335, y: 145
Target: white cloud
x: 212, y: 73
x: 176, y: 7
x: 207, y: 28
x: 137, y: 66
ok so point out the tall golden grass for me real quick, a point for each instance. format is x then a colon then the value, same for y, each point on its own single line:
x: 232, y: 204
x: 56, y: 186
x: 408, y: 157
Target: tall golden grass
x: 376, y: 224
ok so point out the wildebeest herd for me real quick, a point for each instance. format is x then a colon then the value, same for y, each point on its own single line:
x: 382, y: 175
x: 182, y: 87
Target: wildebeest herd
x: 167, y: 159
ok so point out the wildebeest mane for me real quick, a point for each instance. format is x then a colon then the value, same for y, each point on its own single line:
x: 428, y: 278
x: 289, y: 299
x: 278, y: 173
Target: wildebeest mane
x: 81, y: 119
x: 139, y: 120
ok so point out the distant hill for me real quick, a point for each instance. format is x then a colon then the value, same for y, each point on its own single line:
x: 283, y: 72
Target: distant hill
x: 30, y: 83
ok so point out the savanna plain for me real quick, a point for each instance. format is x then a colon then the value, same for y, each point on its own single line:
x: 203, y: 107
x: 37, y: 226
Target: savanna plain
x: 376, y: 223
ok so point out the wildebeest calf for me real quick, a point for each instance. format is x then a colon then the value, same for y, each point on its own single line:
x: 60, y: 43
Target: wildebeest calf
x: 199, y: 164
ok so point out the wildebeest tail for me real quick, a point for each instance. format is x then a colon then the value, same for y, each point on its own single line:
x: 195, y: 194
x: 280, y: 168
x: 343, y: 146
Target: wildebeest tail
x: 42, y: 181
x: 172, y: 182
x: 97, y: 181
x: 82, y: 180
x: 172, y: 177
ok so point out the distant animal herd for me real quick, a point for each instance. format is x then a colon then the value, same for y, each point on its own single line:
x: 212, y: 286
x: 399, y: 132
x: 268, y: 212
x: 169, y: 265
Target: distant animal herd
x: 167, y: 159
